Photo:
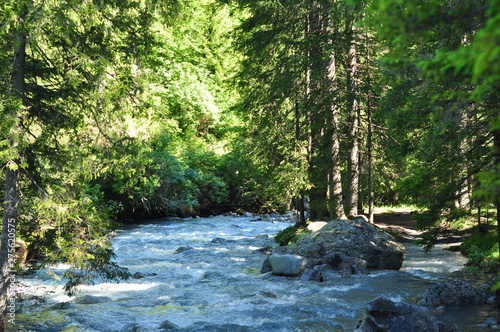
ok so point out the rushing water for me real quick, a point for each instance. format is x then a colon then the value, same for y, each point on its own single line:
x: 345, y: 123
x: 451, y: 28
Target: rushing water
x: 216, y: 286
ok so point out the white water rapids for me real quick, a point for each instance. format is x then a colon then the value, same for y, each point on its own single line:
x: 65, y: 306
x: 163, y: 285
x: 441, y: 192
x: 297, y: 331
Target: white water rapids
x: 216, y: 286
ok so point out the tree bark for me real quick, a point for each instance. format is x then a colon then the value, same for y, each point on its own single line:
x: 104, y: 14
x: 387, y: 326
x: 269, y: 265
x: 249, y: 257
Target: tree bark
x: 496, y: 152
x: 370, y: 106
x: 11, y: 202
x: 369, y: 143
x: 352, y: 191
x: 336, y: 204
x: 316, y: 91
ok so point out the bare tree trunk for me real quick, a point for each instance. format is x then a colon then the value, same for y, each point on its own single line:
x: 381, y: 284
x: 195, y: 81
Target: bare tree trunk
x: 9, y: 221
x: 370, y: 105
x: 369, y: 143
x: 496, y: 147
x: 352, y: 191
x: 300, y: 206
x: 337, y: 206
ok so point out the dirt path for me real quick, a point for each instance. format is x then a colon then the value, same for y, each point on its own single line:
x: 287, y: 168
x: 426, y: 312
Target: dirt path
x: 400, y: 223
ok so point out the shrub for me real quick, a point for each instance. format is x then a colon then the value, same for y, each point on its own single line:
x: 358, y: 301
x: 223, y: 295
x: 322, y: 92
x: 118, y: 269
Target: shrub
x: 290, y: 235
x: 482, y: 252
x: 485, y: 242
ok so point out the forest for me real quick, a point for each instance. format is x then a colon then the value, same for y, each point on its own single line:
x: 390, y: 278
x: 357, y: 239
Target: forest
x: 121, y: 111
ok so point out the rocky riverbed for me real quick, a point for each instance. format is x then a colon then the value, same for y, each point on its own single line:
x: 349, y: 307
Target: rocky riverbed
x: 204, y: 275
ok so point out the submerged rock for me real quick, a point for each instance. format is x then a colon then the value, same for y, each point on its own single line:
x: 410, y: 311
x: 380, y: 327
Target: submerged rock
x: 219, y: 240
x: 208, y: 327
x: 166, y: 325
x: 134, y: 327
x: 182, y: 249
x: 61, y: 306
x: 347, y: 239
x: 385, y: 315
x: 262, y: 236
x: 91, y: 299
x: 140, y: 275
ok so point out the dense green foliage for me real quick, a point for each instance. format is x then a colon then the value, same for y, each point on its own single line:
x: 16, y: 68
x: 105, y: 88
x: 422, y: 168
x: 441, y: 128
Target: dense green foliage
x: 441, y: 110
x: 121, y: 116
x: 124, y: 110
x: 290, y: 235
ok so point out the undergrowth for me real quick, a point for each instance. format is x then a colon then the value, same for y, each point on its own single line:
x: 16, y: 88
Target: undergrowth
x: 290, y: 235
x: 482, y: 252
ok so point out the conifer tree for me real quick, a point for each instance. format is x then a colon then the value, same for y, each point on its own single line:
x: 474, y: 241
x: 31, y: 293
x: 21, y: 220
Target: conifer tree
x: 440, y: 107
x: 308, y: 59
x: 57, y: 56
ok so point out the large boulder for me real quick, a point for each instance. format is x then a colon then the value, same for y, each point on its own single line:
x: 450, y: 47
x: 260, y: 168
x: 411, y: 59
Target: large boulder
x: 285, y: 265
x: 385, y: 315
x: 341, y: 240
x: 455, y: 292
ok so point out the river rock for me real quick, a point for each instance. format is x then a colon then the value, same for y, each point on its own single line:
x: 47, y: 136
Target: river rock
x: 182, y: 249
x: 266, y: 266
x: 385, y: 315
x: 219, y: 240
x: 347, y: 239
x: 491, y: 323
x: 286, y: 265
x: 291, y: 216
x: 352, y: 266
x: 61, y: 306
x: 207, y: 327
x: 134, y: 327
x: 167, y: 325
x: 265, y: 250
x: 311, y: 275
x: 454, y: 292
x: 140, y: 275
x: 91, y: 299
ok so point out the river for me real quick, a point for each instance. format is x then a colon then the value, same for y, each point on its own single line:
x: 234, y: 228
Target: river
x: 216, y: 286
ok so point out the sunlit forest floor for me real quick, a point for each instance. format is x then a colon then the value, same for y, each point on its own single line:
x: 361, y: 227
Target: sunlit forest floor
x: 400, y: 222
x: 457, y: 235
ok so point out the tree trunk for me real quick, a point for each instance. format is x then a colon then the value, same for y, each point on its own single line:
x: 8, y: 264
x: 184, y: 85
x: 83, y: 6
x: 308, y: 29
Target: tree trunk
x: 496, y: 152
x: 9, y: 221
x: 7, y: 258
x: 369, y: 143
x: 370, y: 106
x: 317, y: 117
x: 336, y: 204
x: 498, y: 222
x: 352, y: 191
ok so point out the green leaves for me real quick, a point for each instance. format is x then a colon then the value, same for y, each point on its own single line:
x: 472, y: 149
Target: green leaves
x: 489, y: 189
